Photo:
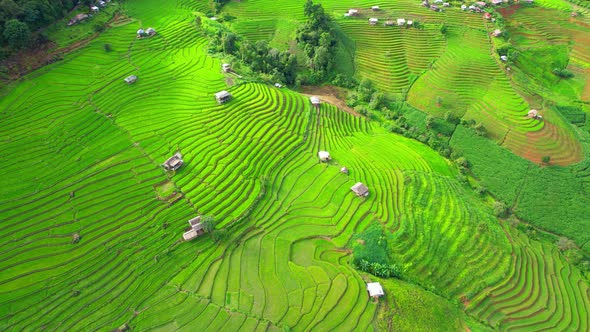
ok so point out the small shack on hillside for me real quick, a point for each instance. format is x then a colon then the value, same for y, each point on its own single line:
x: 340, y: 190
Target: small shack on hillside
x: 389, y: 23
x: 131, y: 79
x: 324, y: 156
x: 497, y: 33
x: 360, y: 189
x: 77, y: 19
x: 150, y: 31
x: 353, y: 12
x: 315, y: 101
x: 373, y: 21
x: 196, y: 229
x: 375, y: 8
x: 94, y: 9
x: 401, y: 22
x: 173, y: 163
x: 487, y: 16
x: 497, y: 2
x: 534, y: 114
x: 344, y: 170
x: 226, y: 67
x: 375, y: 290
x: 222, y: 97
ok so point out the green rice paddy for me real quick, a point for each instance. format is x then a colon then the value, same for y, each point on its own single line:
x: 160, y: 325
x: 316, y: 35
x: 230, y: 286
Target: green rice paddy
x: 82, y: 153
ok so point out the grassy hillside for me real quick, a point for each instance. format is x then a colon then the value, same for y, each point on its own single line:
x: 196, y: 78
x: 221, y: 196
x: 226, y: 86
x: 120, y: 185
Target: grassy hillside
x: 88, y: 242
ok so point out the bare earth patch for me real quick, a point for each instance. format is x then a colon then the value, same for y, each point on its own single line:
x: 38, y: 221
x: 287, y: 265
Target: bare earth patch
x: 330, y: 94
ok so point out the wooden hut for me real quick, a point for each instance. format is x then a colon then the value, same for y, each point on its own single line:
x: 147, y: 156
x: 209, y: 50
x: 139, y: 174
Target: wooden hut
x: 344, y: 170
x: 353, y: 12
x: 375, y: 290
x: 360, y: 189
x: 222, y: 96
x: 196, y: 229
x: 375, y: 8
x: 226, y: 67
x: 315, y: 101
x: 173, y: 163
x: 131, y: 79
x: 324, y: 156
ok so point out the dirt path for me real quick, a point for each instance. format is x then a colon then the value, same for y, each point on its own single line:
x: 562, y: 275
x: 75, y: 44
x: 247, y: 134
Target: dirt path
x: 329, y: 94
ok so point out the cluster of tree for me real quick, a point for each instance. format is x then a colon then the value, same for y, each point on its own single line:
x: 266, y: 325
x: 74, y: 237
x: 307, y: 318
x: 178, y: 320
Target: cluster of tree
x: 280, y: 65
x: 209, y: 225
x: 317, y: 40
x: 19, y: 17
x: 509, y: 51
x: 219, y: 4
x: 378, y: 269
x: 563, y: 73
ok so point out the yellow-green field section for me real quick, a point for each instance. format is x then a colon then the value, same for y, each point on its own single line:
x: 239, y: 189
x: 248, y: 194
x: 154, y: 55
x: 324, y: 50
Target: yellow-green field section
x: 457, y: 71
x: 82, y: 153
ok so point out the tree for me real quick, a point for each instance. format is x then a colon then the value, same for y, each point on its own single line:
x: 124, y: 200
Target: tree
x: 228, y: 42
x: 480, y: 129
x: 209, y: 223
x: 429, y: 121
x: 17, y: 34
x: 439, y: 101
x: 500, y: 209
x: 546, y: 159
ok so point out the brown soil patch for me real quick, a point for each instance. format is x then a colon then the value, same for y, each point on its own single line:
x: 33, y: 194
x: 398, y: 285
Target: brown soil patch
x: 508, y: 11
x: 330, y: 94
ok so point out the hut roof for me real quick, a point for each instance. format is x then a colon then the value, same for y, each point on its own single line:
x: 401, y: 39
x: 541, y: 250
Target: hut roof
x: 410, y: 22
x: 131, y: 79
x: 344, y: 170
x: 324, y: 155
x: 222, y: 94
x: 401, y: 21
x: 375, y: 289
x: 196, y: 220
x: 373, y: 20
x: 314, y: 100
x: 497, y: 2
x: 375, y: 7
x: 497, y: 32
x: 360, y: 189
x: 174, y: 162
x: 187, y: 236
x: 533, y: 113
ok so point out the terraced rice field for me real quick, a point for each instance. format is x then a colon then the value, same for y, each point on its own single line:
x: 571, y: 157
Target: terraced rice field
x: 82, y: 153
x: 458, y: 68
x: 531, y: 298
